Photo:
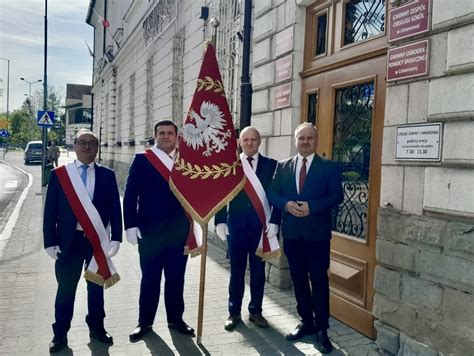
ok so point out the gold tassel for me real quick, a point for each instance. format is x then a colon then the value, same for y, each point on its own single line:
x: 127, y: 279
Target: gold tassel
x: 99, y: 280
x: 196, y: 252
x: 268, y: 255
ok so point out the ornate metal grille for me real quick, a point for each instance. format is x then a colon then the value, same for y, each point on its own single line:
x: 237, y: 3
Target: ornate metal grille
x: 159, y: 18
x: 351, y: 148
x: 364, y: 19
x: 177, y: 77
x: 228, y: 12
x: 149, y: 99
x: 313, y: 108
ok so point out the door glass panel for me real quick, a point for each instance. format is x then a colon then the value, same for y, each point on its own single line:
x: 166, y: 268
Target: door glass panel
x: 351, y: 149
x: 321, y: 33
x: 312, y: 108
x: 364, y: 19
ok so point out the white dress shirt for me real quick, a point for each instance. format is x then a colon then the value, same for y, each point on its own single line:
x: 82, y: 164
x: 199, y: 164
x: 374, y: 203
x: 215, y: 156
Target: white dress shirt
x: 299, y: 163
x: 254, y: 161
x: 90, y: 183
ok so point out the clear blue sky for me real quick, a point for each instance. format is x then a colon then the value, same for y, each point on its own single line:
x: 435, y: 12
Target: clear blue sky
x: 21, y: 41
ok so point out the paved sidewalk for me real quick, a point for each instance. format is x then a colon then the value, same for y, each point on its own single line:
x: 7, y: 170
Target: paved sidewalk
x: 27, y: 291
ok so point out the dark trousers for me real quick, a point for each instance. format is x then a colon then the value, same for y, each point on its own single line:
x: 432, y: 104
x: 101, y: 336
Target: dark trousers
x: 68, y: 270
x: 242, y: 243
x: 309, y: 262
x: 154, y: 260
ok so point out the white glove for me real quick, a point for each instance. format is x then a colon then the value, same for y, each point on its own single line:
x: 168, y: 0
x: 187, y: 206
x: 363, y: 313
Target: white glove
x: 272, y: 230
x: 53, y: 252
x: 133, y: 234
x: 113, y: 248
x: 222, y: 230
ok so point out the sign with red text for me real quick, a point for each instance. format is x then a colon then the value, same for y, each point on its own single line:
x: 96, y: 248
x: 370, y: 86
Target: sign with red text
x: 282, y: 96
x: 408, y: 61
x: 409, y: 20
x: 283, y: 68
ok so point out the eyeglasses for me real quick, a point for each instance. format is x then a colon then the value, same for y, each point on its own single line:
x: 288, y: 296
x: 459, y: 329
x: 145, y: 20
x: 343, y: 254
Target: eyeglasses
x: 83, y: 143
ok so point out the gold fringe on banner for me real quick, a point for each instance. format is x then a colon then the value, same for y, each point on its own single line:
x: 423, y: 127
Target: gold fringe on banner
x: 196, y: 252
x: 268, y: 255
x: 98, y: 279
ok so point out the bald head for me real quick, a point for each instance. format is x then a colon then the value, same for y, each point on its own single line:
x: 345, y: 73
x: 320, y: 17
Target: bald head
x: 250, y: 140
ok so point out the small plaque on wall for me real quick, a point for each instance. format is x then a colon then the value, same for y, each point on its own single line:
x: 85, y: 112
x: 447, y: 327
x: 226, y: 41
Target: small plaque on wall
x: 420, y: 142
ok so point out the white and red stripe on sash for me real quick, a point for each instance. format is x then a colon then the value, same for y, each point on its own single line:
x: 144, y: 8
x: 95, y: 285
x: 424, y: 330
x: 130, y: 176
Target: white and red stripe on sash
x: 163, y: 164
x: 100, y: 269
x: 253, y: 187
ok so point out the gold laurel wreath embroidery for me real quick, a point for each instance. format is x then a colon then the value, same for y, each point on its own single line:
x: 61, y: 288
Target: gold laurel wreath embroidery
x: 209, y: 84
x: 204, y: 172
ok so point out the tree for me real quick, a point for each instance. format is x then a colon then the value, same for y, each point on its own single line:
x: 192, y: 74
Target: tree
x: 54, y: 103
x: 23, y: 128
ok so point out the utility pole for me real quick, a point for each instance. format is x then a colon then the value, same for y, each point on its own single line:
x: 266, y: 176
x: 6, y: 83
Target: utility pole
x: 246, y: 85
x: 44, y: 132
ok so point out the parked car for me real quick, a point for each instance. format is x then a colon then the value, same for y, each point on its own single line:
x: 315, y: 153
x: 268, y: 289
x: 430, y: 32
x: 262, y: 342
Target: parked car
x: 33, y: 151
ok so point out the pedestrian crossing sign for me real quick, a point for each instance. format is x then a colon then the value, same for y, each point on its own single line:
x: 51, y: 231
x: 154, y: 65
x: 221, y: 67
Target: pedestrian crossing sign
x: 45, y: 118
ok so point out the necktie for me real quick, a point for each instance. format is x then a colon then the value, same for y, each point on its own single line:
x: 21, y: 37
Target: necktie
x: 250, y: 159
x: 84, y: 174
x: 302, y: 175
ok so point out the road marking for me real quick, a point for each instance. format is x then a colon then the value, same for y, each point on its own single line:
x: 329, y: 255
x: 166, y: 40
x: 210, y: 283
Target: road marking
x: 7, y: 230
x: 11, y: 184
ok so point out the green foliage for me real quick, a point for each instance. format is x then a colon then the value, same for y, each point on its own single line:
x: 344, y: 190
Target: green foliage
x: 23, y: 128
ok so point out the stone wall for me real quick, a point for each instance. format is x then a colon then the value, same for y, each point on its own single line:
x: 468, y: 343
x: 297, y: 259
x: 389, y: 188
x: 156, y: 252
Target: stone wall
x: 425, y: 278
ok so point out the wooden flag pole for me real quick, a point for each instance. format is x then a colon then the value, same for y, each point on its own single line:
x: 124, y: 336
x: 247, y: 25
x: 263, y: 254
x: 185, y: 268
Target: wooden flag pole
x: 202, y: 282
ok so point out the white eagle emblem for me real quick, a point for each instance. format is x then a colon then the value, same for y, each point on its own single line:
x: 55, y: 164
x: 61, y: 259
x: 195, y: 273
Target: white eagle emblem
x: 208, y: 129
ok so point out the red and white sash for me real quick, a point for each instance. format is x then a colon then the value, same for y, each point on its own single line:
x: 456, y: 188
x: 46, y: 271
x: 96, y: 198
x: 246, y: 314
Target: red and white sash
x: 100, y: 269
x: 266, y: 249
x: 163, y: 164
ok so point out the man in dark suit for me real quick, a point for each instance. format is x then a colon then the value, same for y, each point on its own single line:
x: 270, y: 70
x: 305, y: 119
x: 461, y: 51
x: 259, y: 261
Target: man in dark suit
x: 65, y: 241
x: 243, y: 227
x: 306, y: 187
x: 155, y: 220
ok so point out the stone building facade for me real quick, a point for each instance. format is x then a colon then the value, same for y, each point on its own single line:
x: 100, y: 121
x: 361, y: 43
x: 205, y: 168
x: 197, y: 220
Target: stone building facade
x: 407, y: 279
x: 424, y: 281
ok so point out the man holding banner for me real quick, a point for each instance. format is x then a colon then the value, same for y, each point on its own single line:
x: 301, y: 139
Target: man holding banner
x: 155, y: 220
x: 82, y: 207
x: 244, y: 228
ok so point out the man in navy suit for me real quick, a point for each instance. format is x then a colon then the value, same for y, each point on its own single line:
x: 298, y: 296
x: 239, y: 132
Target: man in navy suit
x: 307, y: 187
x: 65, y: 241
x: 155, y: 220
x: 243, y: 227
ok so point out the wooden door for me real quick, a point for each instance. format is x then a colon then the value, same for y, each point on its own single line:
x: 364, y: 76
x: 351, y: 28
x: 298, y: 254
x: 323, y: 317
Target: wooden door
x: 344, y: 96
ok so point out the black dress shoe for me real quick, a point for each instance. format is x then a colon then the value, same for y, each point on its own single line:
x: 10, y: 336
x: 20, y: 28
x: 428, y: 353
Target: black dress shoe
x: 300, y: 331
x: 259, y: 320
x: 102, y: 336
x: 182, y: 328
x: 324, y: 344
x: 139, y: 332
x: 57, y: 344
x: 232, y: 322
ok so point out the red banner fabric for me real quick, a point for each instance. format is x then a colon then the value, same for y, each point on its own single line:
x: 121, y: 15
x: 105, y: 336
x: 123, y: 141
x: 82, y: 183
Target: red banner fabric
x: 207, y: 172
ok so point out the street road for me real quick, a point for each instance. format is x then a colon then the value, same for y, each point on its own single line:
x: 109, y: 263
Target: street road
x: 12, y: 183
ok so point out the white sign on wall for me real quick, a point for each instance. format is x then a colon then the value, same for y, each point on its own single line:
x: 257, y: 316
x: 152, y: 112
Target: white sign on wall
x: 420, y: 142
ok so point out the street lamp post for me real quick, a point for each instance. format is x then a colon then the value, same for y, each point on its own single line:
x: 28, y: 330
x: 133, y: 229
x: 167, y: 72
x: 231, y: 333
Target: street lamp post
x: 29, y: 85
x: 8, y: 87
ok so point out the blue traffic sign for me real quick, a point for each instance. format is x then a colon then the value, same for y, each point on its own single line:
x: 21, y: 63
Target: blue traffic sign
x: 4, y: 133
x: 45, y: 118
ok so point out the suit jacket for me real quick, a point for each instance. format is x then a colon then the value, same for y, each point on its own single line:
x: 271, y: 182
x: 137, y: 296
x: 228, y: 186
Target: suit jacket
x: 59, y: 222
x: 322, y: 190
x: 150, y: 205
x: 240, y: 208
